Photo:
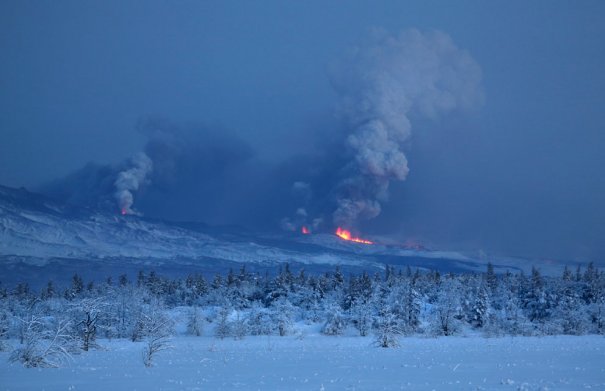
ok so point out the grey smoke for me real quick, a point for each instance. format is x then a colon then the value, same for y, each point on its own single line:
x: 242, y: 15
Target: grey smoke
x: 187, y: 171
x: 130, y: 180
x: 210, y: 174
x: 382, y: 83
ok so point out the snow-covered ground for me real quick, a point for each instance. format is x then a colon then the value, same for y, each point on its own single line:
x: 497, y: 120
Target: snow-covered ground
x: 314, y: 362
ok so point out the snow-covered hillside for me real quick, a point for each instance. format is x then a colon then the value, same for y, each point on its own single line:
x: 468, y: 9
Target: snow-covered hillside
x: 40, y: 236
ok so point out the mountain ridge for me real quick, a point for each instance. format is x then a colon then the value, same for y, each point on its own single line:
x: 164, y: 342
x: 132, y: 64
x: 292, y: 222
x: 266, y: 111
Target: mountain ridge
x: 41, y: 235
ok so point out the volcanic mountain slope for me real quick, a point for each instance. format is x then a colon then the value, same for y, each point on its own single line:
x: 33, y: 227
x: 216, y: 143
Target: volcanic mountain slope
x: 41, y: 238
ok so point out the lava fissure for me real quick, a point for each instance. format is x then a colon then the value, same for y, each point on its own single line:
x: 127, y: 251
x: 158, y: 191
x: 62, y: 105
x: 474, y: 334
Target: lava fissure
x: 346, y: 235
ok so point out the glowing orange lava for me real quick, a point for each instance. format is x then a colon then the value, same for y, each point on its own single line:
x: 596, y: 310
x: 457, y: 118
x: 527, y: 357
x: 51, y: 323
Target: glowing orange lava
x: 305, y: 230
x: 346, y: 235
x: 124, y: 212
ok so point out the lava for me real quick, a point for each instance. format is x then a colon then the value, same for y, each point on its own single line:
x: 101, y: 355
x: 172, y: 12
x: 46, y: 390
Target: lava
x: 346, y: 235
x: 305, y: 230
x: 124, y: 211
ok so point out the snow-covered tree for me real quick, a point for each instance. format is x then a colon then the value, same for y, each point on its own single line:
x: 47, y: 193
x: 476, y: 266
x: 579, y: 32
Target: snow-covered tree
x: 491, y: 280
x: 86, y: 313
x: 222, y: 328
x: 283, y: 316
x: 446, y: 309
x: 157, y: 331
x: 335, y: 321
x: 572, y: 316
x: 260, y: 320
x: 43, y: 346
x: 404, y: 301
x: 195, y: 322
x: 479, y: 313
x: 361, y: 317
x: 4, y: 323
x: 597, y: 315
x: 387, y: 330
x: 238, y: 326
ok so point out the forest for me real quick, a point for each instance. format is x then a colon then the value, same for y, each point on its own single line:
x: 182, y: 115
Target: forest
x: 47, y: 327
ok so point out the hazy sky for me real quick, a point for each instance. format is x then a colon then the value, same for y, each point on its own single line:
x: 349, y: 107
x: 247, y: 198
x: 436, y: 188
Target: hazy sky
x: 521, y: 174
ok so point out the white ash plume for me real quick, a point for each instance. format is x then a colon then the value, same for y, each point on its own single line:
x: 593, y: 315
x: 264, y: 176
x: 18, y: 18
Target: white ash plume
x: 380, y: 83
x: 130, y: 180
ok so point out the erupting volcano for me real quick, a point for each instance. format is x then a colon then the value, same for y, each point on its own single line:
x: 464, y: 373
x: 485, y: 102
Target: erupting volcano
x: 305, y: 230
x: 346, y: 235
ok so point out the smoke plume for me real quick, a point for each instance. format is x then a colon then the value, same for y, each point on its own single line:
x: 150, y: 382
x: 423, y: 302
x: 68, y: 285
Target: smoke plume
x: 382, y: 83
x: 212, y: 175
x: 189, y: 172
x: 130, y: 180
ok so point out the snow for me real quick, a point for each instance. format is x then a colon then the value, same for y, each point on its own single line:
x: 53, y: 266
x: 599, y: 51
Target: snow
x: 34, y: 230
x: 314, y: 362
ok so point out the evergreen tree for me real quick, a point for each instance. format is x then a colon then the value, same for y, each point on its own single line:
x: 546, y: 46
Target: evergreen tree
x: 490, y: 278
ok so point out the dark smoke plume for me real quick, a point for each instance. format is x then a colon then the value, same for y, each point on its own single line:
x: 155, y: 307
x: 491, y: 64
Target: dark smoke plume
x: 199, y: 172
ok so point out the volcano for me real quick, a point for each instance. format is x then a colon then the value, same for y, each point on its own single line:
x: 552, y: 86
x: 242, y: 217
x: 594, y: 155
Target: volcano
x: 42, y: 238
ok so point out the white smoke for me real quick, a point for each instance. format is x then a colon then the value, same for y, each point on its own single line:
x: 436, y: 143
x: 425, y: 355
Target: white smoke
x: 130, y: 180
x: 380, y: 83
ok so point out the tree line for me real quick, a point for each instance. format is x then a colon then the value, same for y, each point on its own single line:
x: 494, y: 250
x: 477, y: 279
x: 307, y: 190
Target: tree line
x: 56, y: 322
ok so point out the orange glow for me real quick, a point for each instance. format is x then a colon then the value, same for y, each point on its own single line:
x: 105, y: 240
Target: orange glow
x: 305, y: 230
x: 346, y: 235
x: 124, y: 212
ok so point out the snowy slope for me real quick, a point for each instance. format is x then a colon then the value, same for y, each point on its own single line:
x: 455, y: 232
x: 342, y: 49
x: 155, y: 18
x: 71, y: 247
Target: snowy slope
x: 37, y: 233
x: 44, y: 230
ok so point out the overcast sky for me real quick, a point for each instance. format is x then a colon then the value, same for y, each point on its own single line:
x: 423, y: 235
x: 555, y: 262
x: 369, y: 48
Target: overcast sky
x: 519, y: 174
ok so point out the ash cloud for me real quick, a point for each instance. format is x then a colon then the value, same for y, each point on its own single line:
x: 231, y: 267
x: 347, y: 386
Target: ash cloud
x: 183, y: 173
x: 200, y: 172
x: 208, y: 174
x: 382, y: 84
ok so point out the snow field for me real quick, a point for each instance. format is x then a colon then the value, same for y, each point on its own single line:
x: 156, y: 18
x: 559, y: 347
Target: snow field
x: 314, y: 362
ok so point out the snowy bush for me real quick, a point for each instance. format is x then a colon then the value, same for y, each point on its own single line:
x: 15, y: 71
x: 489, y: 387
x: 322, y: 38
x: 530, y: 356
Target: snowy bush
x: 387, y: 330
x: 195, y: 322
x: 238, y: 326
x: 283, y: 316
x: 41, y: 346
x: 4, y: 327
x: 260, y: 321
x: 597, y: 315
x: 361, y: 316
x: 157, y: 330
x: 222, y: 328
x: 335, y: 322
x: 447, y: 309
